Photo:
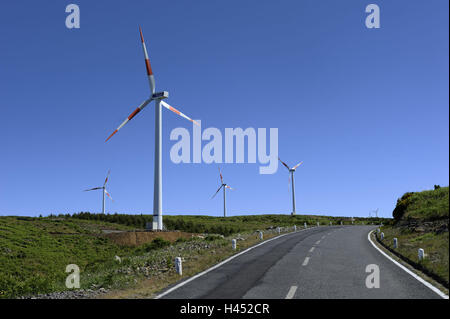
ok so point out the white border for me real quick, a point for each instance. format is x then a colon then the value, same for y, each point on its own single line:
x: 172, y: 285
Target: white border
x: 224, y: 262
x: 426, y: 283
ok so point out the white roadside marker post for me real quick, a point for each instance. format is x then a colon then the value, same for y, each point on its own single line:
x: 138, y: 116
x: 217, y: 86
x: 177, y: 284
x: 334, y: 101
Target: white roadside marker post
x: 278, y: 230
x: 233, y: 244
x: 318, y: 224
x: 395, y: 243
x: 295, y: 228
x: 421, y: 253
x: 261, y: 235
x: 382, y: 236
x: 331, y: 223
x: 306, y: 226
x: 178, y: 266
x: 378, y: 230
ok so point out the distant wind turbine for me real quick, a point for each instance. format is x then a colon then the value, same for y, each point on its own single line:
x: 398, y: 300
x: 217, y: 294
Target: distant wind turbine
x: 104, y: 191
x: 292, y: 171
x: 224, y: 186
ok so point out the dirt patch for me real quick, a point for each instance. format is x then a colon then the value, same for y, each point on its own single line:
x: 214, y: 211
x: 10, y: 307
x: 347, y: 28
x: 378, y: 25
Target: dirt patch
x: 436, y: 226
x: 136, y: 238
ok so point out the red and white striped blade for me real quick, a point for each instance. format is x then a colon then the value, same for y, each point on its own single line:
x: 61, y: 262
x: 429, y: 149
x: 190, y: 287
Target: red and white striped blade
x: 177, y: 112
x: 136, y: 111
x: 217, y: 191
x: 93, y: 189
x: 297, y: 165
x: 106, y: 192
x: 221, y: 178
x: 283, y: 163
x: 151, y: 78
x: 106, y: 180
x: 229, y: 187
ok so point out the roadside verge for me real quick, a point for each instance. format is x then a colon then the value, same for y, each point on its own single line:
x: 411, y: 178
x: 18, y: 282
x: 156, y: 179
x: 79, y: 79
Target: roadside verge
x: 421, y: 277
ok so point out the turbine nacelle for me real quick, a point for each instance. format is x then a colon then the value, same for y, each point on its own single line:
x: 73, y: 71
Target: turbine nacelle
x: 160, y: 95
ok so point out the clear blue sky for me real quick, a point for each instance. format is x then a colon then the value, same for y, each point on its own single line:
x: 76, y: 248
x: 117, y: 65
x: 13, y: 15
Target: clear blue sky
x: 366, y: 110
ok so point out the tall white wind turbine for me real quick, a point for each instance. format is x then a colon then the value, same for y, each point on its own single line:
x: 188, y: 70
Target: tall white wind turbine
x: 224, y: 186
x: 104, y: 191
x: 158, y: 97
x: 292, y: 171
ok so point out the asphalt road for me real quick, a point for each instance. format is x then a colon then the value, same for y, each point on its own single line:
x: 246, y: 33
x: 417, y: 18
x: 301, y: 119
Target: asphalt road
x: 321, y: 262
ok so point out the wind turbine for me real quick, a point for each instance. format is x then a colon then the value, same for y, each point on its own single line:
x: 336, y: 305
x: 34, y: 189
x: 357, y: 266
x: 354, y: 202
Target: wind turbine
x: 225, y: 186
x: 158, y: 97
x: 104, y: 191
x: 292, y: 171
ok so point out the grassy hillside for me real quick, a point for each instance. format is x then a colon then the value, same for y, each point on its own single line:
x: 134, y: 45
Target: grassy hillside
x: 421, y: 221
x: 426, y: 206
x: 34, y: 252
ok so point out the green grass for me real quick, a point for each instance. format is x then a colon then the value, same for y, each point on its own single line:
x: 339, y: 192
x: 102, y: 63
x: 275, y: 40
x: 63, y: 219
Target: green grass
x: 426, y: 206
x: 34, y: 252
x: 436, y: 247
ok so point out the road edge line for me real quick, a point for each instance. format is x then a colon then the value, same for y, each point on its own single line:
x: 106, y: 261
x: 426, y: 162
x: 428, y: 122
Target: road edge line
x: 418, y: 278
x: 224, y: 262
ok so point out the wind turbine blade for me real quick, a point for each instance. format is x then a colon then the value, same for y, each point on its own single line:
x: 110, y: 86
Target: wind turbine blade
x: 297, y: 165
x: 178, y: 112
x: 93, y: 189
x: 106, y: 180
x: 140, y: 108
x: 283, y: 163
x: 229, y: 187
x: 221, y: 178
x: 151, y: 78
x: 217, y: 191
x: 106, y: 192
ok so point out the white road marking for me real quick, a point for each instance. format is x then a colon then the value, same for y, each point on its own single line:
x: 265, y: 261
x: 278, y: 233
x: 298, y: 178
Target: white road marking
x: 306, y: 261
x: 426, y: 283
x: 318, y: 242
x: 312, y: 249
x: 291, y: 292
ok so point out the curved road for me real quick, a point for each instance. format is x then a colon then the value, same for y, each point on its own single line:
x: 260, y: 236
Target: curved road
x: 321, y: 262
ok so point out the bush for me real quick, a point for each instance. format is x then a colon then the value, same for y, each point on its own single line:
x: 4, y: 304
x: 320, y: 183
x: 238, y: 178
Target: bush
x: 157, y: 243
x: 402, y: 205
x: 212, y: 237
